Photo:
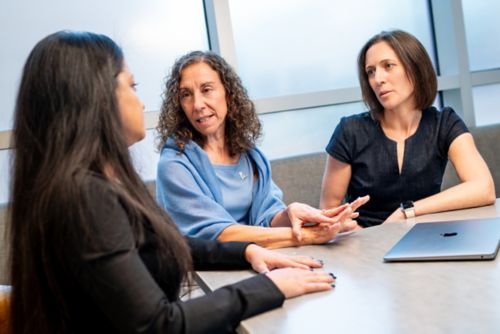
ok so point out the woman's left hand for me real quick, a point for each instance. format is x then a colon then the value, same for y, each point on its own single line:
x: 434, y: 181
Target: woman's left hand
x: 264, y: 260
x: 300, y: 215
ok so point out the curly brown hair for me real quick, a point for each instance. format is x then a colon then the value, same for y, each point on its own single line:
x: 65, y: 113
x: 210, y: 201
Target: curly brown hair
x: 243, y: 127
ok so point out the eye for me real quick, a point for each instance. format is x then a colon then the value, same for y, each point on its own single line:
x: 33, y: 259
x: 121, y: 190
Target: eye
x: 183, y: 94
x: 370, y: 72
x: 207, y: 89
x: 389, y: 65
x: 134, y: 85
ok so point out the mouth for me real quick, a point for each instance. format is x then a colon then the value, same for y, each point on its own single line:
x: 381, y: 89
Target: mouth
x: 204, y: 119
x: 383, y: 93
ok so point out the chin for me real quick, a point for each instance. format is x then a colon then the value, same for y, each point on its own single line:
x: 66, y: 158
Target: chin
x: 136, y: 139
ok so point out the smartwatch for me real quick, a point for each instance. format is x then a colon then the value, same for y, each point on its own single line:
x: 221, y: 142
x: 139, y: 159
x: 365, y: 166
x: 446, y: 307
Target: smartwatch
x: 408, y: 209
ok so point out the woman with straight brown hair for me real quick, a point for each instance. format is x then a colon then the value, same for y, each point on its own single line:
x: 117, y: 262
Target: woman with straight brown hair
x: 397, y: 152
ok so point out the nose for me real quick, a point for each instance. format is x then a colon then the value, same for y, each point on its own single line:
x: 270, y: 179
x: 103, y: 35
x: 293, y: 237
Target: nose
x: 198, y: 102
x: 379, y: 77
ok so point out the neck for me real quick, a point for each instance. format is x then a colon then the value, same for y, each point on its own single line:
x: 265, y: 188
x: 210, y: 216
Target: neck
x: 218, y: 152
x: 401, y: 123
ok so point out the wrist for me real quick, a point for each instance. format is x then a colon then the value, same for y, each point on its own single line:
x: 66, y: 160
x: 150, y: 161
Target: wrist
x: 408, y: 209
x: 306, y: 238
x: 250, y: 251
x: 280, y: 219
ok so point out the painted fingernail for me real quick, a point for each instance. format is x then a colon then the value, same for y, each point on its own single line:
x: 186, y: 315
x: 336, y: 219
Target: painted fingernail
x: 320, y: 261
x: 333, y: 285
x: 333, y: 275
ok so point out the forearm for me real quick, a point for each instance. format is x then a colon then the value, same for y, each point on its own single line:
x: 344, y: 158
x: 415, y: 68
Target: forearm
x: 275, y: 237
x: 233, y: 303
x: 330, y: 202
x: 281, y: 219
x: 212, y: 254
x: 335, y: 183
x: 464, y: 195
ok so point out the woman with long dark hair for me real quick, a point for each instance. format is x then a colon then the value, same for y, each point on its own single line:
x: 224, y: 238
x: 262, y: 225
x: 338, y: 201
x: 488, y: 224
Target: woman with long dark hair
x: 91, y: 251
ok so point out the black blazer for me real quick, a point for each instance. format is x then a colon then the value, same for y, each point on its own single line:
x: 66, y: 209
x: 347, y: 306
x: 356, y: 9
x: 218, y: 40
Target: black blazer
x: 113, y: 286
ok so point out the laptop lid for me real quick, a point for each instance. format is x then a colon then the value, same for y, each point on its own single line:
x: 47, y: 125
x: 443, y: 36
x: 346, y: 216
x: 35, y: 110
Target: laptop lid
x: 475, y: 239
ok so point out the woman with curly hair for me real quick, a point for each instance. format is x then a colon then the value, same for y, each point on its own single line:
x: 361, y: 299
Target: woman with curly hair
x: 211, y: 177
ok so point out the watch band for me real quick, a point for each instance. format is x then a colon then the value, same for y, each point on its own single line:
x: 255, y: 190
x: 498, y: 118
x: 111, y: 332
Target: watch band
x: 408, y: 209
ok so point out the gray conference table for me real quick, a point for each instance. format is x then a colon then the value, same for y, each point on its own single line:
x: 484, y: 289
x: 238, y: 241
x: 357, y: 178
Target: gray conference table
x: 376, y: 297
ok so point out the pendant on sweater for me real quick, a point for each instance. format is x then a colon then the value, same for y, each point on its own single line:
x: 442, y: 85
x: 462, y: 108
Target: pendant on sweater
x: 242, y: 175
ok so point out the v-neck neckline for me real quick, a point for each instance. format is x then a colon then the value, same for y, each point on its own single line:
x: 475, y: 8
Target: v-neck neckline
x: 394, y: 145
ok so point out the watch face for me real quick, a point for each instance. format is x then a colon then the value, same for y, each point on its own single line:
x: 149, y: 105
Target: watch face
x: 407, y: 205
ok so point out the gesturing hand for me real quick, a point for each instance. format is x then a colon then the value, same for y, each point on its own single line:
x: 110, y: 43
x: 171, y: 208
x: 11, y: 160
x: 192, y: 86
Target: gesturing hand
x: 301, y: 215
x: 350, y: 223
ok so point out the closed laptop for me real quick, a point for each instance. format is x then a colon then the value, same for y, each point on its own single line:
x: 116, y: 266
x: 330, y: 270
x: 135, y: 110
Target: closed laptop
x: 452, y: 240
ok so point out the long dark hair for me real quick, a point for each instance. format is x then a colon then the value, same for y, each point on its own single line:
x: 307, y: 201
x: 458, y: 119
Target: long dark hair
x: 416, y: 62
x: 68, y: 128
x: 243, y: 127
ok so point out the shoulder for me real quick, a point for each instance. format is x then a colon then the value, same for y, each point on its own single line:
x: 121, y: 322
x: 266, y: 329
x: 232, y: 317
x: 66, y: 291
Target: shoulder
x: 257, y: 154
x: 358, y: 121
x: 445, y: 115
x: 445, y: 125
x: 105, y: 213
x: 446, y: 121
x: 171, y: 157
x: 363, y: 118
x: 97, y: 187
x: 100, y: 195
x: 170, y: 150
x: 355, y: 125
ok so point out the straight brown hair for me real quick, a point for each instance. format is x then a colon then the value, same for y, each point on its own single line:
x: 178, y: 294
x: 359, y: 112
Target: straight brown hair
x: 417, y: 64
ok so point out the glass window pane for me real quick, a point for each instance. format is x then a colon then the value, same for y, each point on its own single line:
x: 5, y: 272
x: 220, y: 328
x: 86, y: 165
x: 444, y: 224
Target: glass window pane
x: 486, y: 102
x: 481, y: 25
x: 145, y: 157
x: 149, y: 32
x: 291, y: 46
x: 4, y: 176
x: 302, y: 131
x: 152, y: 34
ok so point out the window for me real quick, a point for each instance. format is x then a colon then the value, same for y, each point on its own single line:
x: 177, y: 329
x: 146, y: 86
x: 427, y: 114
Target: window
x: 4, y: 175
x: 481, y: 27
x: 486, y: 100
x: 302, y: 131
x: 288, y: 47
x: 152, y: 34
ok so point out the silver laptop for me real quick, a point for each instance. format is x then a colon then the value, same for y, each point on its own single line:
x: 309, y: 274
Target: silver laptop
x: 476, y: 239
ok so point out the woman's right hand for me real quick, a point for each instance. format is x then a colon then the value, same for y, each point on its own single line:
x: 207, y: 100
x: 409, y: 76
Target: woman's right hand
x: 294, y: 282
x: 349, y: 224
x: 319, y: 234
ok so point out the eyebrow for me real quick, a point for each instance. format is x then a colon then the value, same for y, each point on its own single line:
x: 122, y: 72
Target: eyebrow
x: 201, y: 85
x: 385, y: 60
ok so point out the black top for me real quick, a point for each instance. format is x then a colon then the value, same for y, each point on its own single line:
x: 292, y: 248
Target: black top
x: 115, y: 288
x: 360, y: 141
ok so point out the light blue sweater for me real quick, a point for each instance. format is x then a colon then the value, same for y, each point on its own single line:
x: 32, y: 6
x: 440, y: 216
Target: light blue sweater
x: 187, y: 187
